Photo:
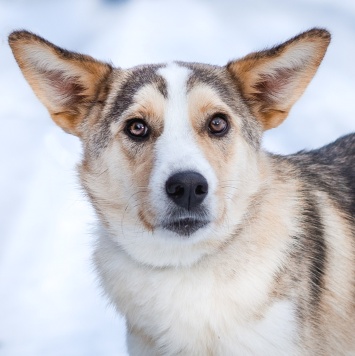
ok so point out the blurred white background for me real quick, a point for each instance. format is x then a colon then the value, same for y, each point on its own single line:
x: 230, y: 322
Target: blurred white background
x: 50, y: 302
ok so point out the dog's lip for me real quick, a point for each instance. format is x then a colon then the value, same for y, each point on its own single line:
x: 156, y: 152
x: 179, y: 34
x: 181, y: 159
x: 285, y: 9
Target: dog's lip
x: 185, y: 226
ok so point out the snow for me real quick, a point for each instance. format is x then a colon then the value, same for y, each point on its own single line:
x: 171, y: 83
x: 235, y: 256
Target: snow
x: 50, y: 301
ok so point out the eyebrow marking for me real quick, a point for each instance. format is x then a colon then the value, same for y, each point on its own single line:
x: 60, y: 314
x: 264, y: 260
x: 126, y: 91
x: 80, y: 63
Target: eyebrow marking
x: 138, y: 78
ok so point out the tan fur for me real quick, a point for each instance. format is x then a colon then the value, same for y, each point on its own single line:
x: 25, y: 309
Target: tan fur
x: 148, y: 104
x: 203, y: 103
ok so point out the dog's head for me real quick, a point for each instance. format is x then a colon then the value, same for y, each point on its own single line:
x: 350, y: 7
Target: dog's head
x: 172, y: 155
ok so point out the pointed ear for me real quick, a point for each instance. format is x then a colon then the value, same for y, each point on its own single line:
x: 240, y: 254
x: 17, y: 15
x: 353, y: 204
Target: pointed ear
x: 66, y: 83
x: 272, y: 80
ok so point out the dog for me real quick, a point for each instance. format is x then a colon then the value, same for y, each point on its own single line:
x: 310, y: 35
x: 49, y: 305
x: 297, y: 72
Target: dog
x: 207, y: 244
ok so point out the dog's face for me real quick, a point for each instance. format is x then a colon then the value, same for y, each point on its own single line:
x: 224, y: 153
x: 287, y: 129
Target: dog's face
x: 170, y: 164
x: 171, y: 152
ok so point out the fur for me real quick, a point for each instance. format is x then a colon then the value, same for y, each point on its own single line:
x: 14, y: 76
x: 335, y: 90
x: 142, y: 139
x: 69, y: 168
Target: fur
x: 264, y: 264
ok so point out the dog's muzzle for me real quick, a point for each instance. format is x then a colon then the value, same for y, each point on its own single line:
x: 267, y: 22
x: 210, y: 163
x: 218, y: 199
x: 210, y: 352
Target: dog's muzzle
x: 187, y: 190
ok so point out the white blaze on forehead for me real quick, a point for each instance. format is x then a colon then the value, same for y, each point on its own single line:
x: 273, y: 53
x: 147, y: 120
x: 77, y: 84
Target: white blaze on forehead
x: 176, y: 149
x: 176, y: 121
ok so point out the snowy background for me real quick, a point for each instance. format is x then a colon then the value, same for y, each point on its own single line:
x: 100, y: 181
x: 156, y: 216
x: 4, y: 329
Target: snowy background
x: 50, y: 302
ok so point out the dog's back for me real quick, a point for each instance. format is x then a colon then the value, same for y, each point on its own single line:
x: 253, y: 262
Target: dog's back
x: 332, y: 169
x: 322, y: 263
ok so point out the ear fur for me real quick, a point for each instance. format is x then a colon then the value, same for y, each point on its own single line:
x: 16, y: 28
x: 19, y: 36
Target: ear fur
x: 272, y: 80
x: 66, y: 83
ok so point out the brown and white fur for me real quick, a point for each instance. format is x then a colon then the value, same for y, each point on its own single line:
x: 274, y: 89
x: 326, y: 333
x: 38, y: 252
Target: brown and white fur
x: 259, y: 259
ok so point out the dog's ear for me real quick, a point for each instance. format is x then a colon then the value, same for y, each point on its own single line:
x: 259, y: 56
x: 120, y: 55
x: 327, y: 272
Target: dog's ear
x: 66, y: 83
x: 272, y: 80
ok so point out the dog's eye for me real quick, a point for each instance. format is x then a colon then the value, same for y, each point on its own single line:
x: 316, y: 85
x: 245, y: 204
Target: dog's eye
x: 218, y: 125
x: 137, y: 129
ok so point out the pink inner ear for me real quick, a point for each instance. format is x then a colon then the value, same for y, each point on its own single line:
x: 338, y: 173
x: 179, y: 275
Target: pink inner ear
x: 69, y: 90
x: 272, y: 88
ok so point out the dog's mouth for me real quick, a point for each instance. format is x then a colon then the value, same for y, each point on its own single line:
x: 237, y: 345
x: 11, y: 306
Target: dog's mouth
x: 185, y: 226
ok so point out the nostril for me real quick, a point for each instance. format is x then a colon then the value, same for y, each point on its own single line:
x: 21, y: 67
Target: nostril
x: 175, y: 190
x: 201, y: 190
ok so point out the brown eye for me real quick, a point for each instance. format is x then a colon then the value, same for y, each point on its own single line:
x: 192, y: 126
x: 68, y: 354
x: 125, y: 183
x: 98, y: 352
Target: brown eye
x: 137, y: 129
x: 218, y: 125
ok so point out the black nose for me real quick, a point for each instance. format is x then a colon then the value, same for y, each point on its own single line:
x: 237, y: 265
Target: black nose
x: 187, y: 189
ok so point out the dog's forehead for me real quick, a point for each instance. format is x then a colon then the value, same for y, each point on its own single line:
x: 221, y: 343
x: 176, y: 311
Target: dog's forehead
x: 164, y: 76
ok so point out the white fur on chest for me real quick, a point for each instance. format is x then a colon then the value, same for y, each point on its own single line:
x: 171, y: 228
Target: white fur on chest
x: 194, y: 311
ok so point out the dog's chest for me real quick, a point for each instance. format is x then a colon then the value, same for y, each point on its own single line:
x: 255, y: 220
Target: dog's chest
x: 197, y: 312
